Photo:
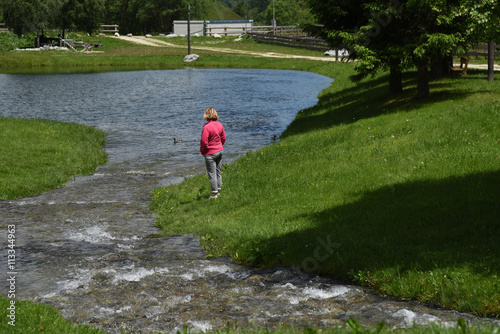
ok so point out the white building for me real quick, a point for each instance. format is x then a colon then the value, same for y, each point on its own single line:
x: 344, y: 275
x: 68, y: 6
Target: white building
x: 180, y: 27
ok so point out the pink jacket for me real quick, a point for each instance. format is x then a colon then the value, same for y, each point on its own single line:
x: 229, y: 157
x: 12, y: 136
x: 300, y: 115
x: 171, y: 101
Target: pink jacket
x: 212, y: 138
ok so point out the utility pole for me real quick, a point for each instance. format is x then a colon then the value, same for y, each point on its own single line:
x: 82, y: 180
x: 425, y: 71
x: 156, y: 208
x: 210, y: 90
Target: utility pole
x: 189, y: 29
x: 274, y: 21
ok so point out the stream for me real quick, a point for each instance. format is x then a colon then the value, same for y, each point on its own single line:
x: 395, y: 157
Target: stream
x: 91, y: 248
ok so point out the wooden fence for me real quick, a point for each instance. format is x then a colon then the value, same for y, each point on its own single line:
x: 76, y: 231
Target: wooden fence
x: 310, y: 43
x: 291, y: 31
x: 481, y: 50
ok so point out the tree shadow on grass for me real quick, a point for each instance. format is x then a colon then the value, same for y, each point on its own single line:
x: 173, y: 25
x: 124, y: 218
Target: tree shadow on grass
x: 369, y: 98
x: 423, y: 225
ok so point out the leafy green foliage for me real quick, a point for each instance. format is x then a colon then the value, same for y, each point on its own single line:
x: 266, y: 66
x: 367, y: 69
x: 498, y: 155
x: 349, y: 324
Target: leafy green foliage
x: 25, y: 16
x: 145, y: 17
x: 399, y: 35
x: 10, y: 41
x: 289, y: 12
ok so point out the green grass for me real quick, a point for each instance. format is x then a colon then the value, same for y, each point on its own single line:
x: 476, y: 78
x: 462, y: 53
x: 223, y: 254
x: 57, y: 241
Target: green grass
x: 37, y: 155
x: 29, y: 317
x: 397, y: 194
x: 124, y: 55
x: 246, y: 44
x: 391, y: 193
x: 32, y: 317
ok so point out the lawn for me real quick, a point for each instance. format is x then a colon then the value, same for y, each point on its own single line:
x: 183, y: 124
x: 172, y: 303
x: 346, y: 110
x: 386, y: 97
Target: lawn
x: 38, y: 155
x: 394, y: 193
x: 389, y: 192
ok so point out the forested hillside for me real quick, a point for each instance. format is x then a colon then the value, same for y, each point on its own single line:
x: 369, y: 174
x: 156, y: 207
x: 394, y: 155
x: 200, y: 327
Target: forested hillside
x: 142, y: 16
x: 287, y: 12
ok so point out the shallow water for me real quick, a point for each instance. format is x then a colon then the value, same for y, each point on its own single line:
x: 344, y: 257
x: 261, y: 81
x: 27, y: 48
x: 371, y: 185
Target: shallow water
x: 91, y: 248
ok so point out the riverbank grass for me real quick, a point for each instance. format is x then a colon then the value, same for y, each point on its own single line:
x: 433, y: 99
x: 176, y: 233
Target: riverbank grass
x: 394, y: 193
x: 25, y: 317
x: 33, y: 317
x: 363, y: 187
x: 38, y: 155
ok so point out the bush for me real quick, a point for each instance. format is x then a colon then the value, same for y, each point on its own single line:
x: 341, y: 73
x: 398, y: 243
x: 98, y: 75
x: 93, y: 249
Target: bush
x: 10, y: 41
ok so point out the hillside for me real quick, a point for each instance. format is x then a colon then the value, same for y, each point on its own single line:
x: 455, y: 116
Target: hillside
x: 218, y: 11
x: 397, y: 194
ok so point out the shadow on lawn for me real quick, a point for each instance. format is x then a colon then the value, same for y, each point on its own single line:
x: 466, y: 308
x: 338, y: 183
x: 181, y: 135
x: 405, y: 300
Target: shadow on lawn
x: 370, y: 98
x: 423, y: 225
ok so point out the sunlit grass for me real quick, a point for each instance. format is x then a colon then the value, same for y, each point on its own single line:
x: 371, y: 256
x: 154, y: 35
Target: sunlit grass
x: 28, y: 317
x: 397, y: 194
x: 37, y: 155
x: 394, y: 191
x: 118, y: 54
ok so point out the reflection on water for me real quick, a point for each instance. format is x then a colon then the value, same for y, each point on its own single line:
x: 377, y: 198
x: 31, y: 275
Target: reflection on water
x: 91, y: 248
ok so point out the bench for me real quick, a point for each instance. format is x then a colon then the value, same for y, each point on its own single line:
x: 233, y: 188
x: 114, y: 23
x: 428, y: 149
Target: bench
x: 462, y: 70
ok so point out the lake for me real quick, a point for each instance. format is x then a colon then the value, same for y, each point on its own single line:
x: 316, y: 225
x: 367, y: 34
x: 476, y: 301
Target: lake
x: 142, y: 111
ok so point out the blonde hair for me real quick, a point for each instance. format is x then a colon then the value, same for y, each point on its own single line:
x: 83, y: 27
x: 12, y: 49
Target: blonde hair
x: 210, y: 114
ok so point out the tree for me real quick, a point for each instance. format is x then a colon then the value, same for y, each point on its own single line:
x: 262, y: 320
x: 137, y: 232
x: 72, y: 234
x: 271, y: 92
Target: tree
x: 482, y: 26
x: 26, y: 15
x: 140, y: 16
x: 289, y: 12
x: 398, y: 34
x: 37, y: 15
x: 84, y: 15
x: 356, y: 25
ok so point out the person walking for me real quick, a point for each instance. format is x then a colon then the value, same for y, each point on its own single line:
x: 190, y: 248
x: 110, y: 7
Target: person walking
x: 212, y: 140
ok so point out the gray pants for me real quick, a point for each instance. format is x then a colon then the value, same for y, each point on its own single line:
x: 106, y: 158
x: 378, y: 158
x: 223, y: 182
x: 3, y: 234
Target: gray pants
x: 213, y: 163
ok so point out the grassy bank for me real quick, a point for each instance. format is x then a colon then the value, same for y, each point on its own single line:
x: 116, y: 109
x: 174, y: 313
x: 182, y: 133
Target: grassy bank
x: 117, y: 54
x: 28, y: 317
x: 38, y: 155
x: 393, y: 193
x: 397, y: 194
x: 39, y: 318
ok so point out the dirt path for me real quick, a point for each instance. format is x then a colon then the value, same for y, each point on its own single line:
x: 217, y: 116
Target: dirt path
x: 160, y: 43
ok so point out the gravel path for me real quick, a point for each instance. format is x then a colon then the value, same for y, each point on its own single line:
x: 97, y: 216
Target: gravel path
x: 160, y: 43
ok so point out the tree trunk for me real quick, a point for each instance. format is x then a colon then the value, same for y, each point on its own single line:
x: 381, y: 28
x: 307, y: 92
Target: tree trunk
x: 423, y: 81
x: 447, y: 64
x: 437, y: 69
x: 491, y: 61
x: 441, y: 67
x: 395, y: 80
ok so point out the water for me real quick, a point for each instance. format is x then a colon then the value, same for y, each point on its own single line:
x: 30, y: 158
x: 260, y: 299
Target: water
x: 91, y: 248
x: 143, y: 111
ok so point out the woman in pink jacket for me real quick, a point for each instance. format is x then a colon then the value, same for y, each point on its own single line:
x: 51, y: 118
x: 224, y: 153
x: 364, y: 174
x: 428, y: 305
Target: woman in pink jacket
x: 212, y: 139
